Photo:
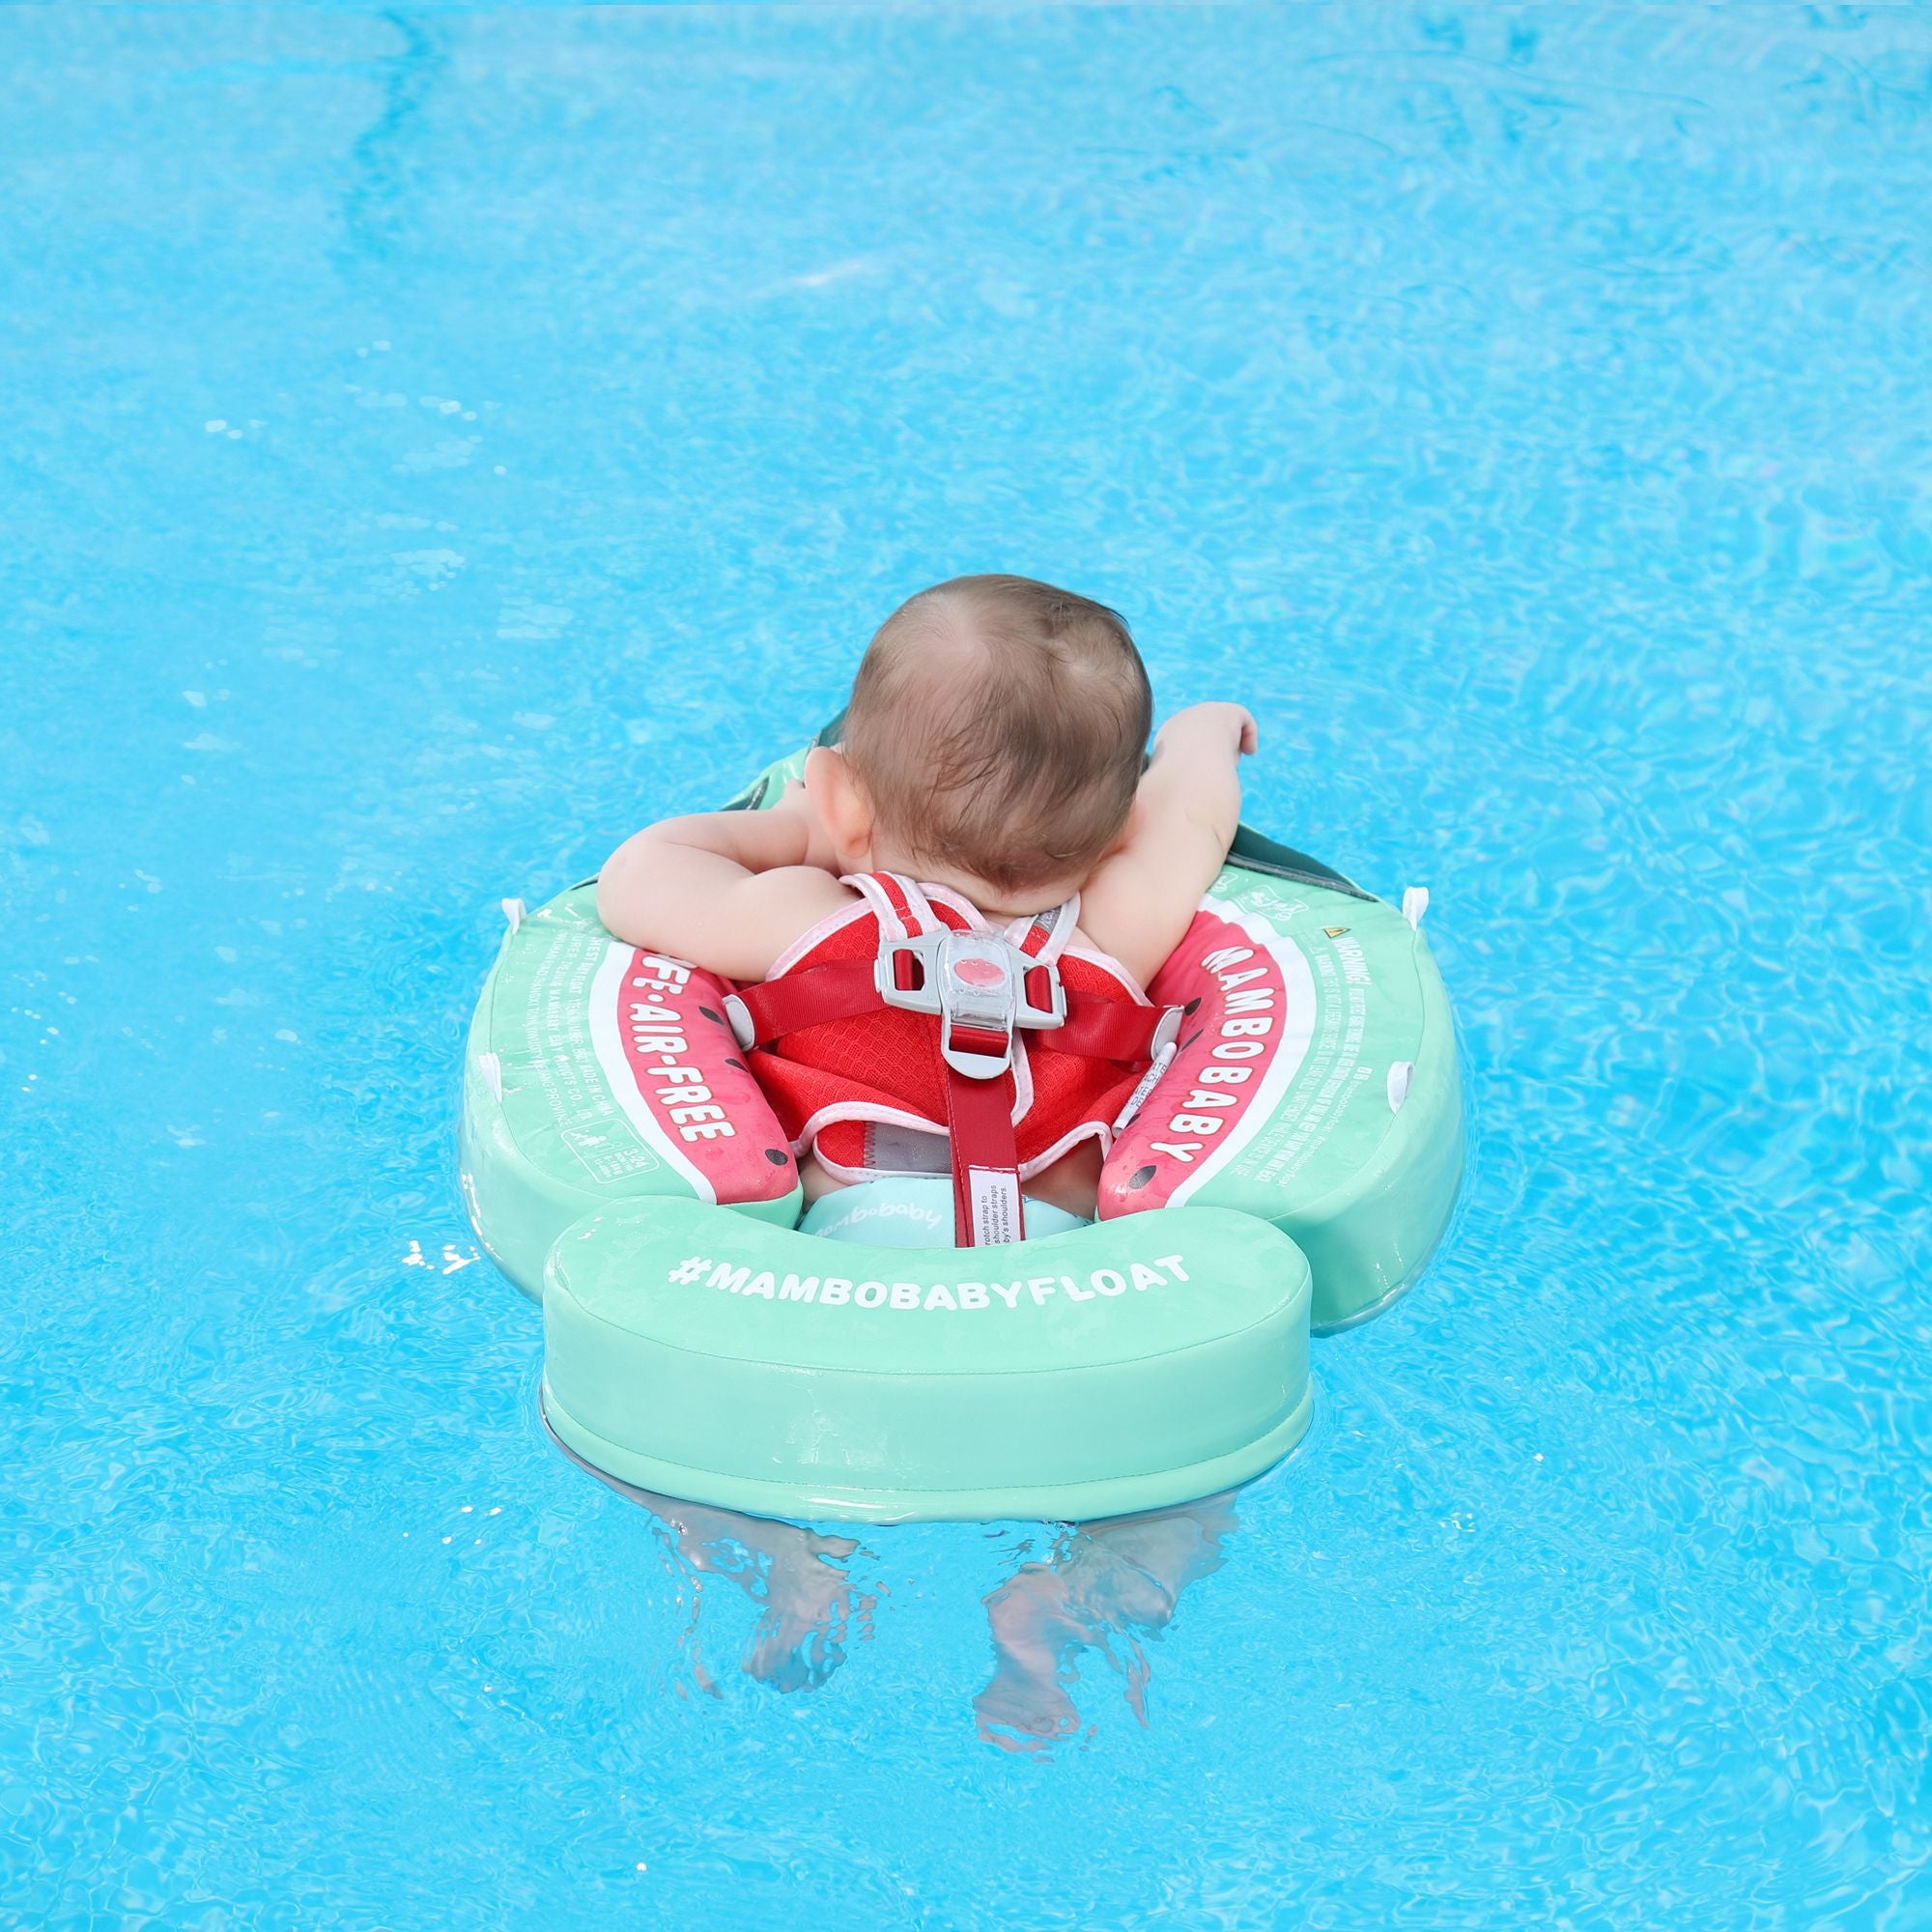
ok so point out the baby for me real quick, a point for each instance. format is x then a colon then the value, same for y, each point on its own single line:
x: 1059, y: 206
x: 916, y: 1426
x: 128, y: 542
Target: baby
x: 994, y: 745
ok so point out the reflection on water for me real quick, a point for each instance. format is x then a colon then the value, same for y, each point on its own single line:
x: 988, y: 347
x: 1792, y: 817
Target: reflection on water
x: 1100, y: 1593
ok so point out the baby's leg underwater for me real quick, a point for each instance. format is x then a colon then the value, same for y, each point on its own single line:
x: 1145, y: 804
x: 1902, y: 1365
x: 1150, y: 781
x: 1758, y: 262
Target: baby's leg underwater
x: 1105, y: 1583
x: 812, y: 1608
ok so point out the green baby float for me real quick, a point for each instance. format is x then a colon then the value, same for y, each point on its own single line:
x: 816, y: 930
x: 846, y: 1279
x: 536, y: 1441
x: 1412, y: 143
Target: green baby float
x: 1286, y: 1167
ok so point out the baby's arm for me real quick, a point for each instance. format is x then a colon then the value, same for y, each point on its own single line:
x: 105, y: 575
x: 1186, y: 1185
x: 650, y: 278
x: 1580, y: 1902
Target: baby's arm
x: 729, y: 891
x: 1142, y: 898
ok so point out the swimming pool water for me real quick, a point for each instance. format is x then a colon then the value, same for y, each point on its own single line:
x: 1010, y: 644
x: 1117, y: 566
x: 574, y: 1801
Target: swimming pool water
x: 434, y: 441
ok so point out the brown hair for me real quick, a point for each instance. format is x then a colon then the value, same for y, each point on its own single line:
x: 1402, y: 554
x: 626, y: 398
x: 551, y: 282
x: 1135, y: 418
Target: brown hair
x: 998, y: 726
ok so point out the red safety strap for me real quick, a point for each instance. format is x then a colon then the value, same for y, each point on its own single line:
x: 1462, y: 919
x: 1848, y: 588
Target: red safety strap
x: 1036, y: 936
x: 842, y: 990
x: 1097, y: 1027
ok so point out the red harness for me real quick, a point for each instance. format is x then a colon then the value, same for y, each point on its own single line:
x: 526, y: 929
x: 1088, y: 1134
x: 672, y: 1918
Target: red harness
x: 905, y: 1034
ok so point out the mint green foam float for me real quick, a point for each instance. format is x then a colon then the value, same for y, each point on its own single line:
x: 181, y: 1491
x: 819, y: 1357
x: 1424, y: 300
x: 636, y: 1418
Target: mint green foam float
x: 618, y: 1159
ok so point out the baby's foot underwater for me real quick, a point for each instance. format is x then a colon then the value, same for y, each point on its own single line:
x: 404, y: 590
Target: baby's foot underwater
x: 1103, y: 1587
x: 813, y: 1610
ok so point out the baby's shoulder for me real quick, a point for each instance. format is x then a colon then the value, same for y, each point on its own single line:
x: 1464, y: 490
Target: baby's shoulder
x: 1083, y: 944
x: 801, y: 905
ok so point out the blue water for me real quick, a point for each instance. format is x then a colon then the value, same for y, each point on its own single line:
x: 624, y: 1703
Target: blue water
x: 433, y: 442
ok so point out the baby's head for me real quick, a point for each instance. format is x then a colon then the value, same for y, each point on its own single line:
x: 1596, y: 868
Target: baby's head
x: 994, y: 742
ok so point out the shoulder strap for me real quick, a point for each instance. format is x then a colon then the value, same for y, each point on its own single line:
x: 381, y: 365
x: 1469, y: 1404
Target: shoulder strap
x: 1043, y: 935
x: 902, y: 906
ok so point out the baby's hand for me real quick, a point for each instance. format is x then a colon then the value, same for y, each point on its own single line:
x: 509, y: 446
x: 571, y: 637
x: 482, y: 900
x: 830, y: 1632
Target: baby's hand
x: 1143, y: 896
x: 1206, y: 724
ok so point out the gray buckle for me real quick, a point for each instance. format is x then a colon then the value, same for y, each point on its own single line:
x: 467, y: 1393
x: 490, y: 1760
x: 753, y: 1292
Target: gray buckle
x: 973, y: 979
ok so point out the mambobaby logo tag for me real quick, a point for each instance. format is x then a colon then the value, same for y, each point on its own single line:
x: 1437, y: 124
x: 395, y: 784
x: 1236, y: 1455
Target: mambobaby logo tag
x: 832, y: 1290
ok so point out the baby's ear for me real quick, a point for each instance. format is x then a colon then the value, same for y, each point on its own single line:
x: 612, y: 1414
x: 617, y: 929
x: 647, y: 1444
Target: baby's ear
x: 1136, y: 822
x: 841, y: 806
